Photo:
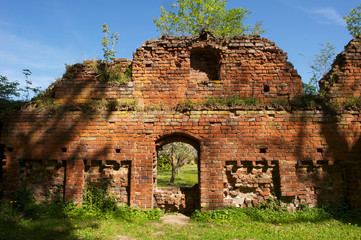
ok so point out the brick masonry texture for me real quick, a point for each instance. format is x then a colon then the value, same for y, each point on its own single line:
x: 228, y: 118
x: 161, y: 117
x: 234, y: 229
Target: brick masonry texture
x: 344, y: 80
x: 93, y: 134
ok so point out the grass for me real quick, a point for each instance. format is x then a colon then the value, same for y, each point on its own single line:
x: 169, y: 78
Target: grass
x: 66, y: 221
x: 187, y: 178
x: 99, y: 217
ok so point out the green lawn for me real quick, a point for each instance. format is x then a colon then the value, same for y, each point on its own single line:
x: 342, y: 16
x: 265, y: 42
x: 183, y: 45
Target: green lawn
x: 125, y: 223
x: 187, y: 178
x: 100, y: 217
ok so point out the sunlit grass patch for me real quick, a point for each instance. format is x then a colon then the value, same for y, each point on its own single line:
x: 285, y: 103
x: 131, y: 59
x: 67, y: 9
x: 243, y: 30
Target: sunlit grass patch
x: 188, y: 177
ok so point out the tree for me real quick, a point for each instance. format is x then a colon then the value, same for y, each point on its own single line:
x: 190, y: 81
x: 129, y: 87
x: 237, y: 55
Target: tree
x: 191, y: 16
x: 28, y: 87
x: 177, y: 154
x: 108, y: 44
x: 353, y: 21
x: 320, y: 64
x: 257, y: 29
x: 8, y: 89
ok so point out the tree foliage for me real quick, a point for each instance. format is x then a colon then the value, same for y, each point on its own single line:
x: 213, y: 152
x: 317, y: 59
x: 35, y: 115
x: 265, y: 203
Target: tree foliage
x: 177, y: 154
x: 8, y: 89
x: 320, y: 64
x: 353, y: 21
x: 189, y: 17
x: 109, y: 44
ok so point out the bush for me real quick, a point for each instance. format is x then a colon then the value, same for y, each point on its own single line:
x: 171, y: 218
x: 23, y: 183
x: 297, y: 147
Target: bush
x: 96, y: 197
x: 353, y: 102
x: 163, y: 164
x: 307, y: 101
x: 22, y: 197
x: 137, y: 215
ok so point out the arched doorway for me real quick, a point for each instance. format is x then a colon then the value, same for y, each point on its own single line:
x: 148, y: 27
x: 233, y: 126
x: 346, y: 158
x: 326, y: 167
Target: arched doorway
x: 181, y: 194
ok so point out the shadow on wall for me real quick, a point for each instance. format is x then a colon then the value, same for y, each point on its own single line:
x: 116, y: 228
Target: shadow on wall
x: 50, y: 132
x: 346, y: 154
x: 327, y: 169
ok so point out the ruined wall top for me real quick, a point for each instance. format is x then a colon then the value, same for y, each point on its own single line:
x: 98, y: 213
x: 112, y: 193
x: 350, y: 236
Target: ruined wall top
x: 344, y: 79
x: 170, y: 70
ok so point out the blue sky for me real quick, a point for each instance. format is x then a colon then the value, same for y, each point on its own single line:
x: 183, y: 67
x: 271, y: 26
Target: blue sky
x: 44, y: 35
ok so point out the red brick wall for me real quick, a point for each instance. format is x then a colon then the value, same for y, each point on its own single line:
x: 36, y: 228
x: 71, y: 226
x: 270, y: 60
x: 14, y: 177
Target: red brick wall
x: 44, y: 178
x: 245, y: 155
x: 310, y: 150
x: 168, y: 70
x: 344, y: 79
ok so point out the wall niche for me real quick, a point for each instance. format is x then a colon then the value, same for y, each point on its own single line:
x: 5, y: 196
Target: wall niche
x: 204, y: 64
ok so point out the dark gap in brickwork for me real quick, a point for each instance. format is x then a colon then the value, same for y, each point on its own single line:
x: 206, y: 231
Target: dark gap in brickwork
x: 306, y: 163
x: 129, y: 165
x: 87, y: 165
x: 64, y: 150
x: 117, y: 150
x: 263, y: 150
x: 266, y: 88
x: 115, y: 165
x: 10, y: 149
x: 231, y: 168
x: 320, y: 150
x: 248, y: 165
x: 231, y: 165
x: 204, y: 64
x: 260, y: 163
x: 276, y: 178
x: 322, y: 162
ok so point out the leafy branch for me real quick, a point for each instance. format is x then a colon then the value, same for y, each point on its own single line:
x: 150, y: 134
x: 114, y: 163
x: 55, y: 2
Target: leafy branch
x: 109, y: 44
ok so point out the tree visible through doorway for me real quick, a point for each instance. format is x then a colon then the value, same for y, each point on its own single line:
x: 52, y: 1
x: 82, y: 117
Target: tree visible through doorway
x: 177, y: 165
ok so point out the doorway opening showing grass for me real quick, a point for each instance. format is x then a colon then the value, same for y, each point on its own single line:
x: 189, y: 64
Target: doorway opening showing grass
x: 177, y: 165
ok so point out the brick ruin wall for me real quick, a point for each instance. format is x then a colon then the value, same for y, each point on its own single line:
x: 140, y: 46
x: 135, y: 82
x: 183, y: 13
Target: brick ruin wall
x: 247, y: 154
x: 343, y: 81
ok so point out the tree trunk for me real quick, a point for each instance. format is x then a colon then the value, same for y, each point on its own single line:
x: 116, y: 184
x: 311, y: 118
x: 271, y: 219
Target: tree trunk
x: 173, y: 174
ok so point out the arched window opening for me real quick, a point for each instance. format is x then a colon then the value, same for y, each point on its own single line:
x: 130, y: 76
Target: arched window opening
x: 204, y: 64
x: 177, y: 165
